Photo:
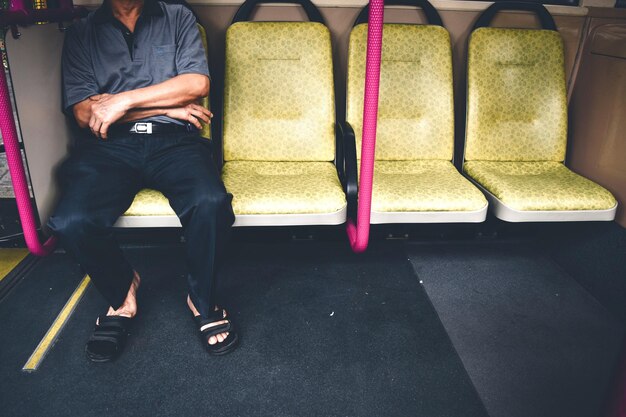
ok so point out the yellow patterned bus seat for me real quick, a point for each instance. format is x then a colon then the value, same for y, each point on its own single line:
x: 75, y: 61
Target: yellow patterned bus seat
x: 150, y: 208
x: 516, y: 134
x: 414, y: 178
x: 279, y: 121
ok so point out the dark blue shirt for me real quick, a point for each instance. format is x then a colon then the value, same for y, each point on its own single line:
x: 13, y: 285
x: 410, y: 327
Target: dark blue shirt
x: 100, y: 55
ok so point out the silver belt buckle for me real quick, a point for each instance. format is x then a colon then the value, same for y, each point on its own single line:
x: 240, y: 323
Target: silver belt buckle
x: 142, y: 128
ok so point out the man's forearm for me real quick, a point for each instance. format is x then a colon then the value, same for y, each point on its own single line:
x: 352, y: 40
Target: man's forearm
x: 138, y: 114
x: 82, y: 113
x: 175, y: 92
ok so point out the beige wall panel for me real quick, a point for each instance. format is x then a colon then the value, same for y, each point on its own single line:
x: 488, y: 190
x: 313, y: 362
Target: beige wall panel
x: 598, y: 110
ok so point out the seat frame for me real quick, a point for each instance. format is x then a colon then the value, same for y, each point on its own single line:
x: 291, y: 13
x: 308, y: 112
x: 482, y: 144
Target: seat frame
x: 350, y: 155
x: 499, y: 208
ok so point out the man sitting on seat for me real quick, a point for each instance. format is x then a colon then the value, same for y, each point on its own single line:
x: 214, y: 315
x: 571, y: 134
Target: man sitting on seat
x: 133, y: 74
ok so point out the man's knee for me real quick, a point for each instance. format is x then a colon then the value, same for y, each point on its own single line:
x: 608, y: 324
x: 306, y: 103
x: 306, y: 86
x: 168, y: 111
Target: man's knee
x: 213, y: 201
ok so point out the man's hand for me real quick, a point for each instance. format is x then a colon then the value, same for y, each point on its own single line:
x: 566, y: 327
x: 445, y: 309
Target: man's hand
x: 106, y: 109
x: 191, y: 113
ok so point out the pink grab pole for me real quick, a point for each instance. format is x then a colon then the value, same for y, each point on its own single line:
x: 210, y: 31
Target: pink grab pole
x: 17, y: 6
x: 18, y: 175
x: 359, y: 234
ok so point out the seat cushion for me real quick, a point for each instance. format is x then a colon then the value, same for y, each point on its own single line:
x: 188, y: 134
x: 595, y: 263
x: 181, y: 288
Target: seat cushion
x: 416, y: 186
x: 516, y: 96
x: 416, y: 107
x: 150, y: 203
x: 539, y: 186
x: 283, y: 187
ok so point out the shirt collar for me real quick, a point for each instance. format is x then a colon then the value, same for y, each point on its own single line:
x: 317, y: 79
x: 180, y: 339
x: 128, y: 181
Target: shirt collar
x: 104, y: 14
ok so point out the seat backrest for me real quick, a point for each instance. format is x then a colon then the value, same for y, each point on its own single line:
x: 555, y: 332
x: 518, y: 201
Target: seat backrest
x: 416, y: 104
x: 206, y: 128
x: 278, y: 92
x: 516, y: 96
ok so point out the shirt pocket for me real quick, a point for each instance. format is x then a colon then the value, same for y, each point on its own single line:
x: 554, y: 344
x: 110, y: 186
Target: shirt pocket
x: 164, y: 62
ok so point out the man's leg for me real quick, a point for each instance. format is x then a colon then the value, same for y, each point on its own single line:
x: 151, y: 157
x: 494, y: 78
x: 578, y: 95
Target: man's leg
x: 186, y: 174
x: 98, y: 184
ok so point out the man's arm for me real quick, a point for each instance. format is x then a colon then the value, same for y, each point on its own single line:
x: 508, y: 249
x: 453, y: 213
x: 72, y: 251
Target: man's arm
x: 101, y: 112
x: 191, y: 113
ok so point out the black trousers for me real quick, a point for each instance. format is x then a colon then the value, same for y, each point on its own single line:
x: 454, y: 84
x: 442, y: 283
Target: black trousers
x: 98, y: 183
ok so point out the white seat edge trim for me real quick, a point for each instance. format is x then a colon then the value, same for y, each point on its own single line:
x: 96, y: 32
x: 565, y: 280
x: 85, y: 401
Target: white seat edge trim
x: 476, y: 216
x: 508, y: 214
x: 148, y: 221
x: 245, y: 220
x: 242, y: 220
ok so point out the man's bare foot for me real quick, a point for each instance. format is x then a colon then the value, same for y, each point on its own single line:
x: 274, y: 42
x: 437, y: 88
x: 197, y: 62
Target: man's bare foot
x: 213, y: 339
x: 129, y: 308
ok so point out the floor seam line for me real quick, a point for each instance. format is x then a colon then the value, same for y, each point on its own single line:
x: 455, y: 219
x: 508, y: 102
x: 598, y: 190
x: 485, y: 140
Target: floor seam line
x: 46, y: 343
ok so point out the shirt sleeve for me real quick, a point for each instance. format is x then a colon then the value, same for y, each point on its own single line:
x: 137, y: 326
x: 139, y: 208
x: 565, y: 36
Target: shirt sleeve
x: 78, y: 79
x: 190, y: 52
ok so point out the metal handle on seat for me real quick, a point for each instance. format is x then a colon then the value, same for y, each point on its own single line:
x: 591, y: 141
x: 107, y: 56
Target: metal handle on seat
x: 547, y: 22
x: 432, y: 16
x: 245, y: 10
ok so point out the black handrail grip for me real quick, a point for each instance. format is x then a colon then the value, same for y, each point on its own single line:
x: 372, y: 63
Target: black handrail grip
x: 432, y: 16
x: 350, y: 170
x: 547, y: 22
x: 3, y: 150
x: 339, y: 152
x: 245, y: 10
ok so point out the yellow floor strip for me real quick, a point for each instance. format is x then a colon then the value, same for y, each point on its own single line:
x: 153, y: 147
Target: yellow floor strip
x: 48, y: 340
x: 9, y: 258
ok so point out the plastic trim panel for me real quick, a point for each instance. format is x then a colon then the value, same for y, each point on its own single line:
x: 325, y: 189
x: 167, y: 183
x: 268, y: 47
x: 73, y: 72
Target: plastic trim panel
x: 244, y: 220
x: 508, y: 214
x: 477, y: 216
x: 148, y: 221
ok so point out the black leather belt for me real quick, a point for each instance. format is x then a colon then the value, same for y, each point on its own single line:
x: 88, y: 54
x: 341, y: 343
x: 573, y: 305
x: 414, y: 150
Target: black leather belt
x: 150, y: 128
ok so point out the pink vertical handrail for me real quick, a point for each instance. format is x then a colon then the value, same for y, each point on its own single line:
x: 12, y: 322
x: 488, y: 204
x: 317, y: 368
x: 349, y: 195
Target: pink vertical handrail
x: 18, y: 174
x: 358, y: 233
x: 17, y: 6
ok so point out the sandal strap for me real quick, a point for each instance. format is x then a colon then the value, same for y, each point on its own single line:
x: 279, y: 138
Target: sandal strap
x: 216, y: 315
x: 209, y: 331
x: 113, y: 339
x: 113, y: 322
x: 110, y: 329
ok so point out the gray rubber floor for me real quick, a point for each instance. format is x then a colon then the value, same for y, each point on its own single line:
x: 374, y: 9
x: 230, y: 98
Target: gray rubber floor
x: 324, y: 333
x: 533, y: 341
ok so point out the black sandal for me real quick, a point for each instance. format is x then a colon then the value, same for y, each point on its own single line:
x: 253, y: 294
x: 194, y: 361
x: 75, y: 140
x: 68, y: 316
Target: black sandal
x: 108, y: 338
x: 206, y: 331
